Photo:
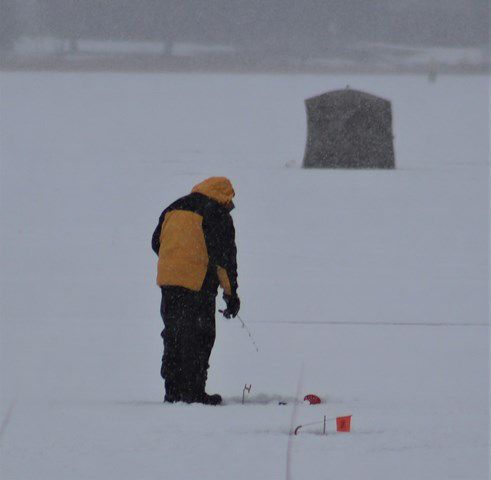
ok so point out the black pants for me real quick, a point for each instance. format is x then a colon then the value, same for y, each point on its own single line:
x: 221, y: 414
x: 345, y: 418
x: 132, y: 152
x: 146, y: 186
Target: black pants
x: 189, y: 335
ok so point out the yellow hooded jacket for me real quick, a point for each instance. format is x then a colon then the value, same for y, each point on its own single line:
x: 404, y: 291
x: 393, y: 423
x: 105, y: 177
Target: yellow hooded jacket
x: 195, y: 240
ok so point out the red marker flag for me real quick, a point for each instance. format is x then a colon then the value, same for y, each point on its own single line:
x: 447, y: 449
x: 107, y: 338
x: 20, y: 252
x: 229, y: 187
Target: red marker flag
x: 343, y: 424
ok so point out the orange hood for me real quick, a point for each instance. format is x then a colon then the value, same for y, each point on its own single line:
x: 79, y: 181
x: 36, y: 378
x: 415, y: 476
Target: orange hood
x: 217, y: 188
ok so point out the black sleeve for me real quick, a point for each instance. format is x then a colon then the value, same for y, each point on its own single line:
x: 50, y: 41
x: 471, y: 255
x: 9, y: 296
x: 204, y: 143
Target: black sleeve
x: 220, y: 239
x: 156, y: 234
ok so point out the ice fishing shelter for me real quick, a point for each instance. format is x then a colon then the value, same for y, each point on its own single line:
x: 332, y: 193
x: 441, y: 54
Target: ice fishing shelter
x: 349, y: 129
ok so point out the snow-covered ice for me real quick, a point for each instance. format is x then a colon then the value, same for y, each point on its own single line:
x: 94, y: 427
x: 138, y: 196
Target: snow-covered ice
x: 377, y: 282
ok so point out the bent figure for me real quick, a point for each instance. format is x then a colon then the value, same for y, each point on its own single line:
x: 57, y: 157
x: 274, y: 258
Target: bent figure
x: 195, y: 242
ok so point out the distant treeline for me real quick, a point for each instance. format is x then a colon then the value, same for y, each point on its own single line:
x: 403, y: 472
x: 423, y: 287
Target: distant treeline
x: 279, y: 26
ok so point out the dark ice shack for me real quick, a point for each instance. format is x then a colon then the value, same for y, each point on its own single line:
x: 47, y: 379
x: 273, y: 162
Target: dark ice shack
x: 349, y: 129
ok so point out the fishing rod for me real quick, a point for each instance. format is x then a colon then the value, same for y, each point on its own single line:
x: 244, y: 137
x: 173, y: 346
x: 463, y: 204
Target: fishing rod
x: 246, y: 329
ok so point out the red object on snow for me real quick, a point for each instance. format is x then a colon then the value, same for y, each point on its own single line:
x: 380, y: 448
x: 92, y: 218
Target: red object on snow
x: 343, y: 424
x: 312, y: 399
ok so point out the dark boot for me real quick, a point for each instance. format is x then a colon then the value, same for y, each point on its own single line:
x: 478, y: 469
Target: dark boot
x: 171, y: 394
x: 203, y: 398
x: 194, y: 391
x: 214, y: 399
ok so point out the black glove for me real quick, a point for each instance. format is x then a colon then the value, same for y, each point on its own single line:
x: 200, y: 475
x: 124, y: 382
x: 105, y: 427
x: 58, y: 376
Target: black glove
x: 233, y: 305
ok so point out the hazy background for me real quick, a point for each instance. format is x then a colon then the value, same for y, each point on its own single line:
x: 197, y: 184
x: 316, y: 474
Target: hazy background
x: 245, y: 35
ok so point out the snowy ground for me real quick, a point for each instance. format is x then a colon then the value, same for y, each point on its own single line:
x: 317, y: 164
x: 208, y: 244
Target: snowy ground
x: 376, y: 282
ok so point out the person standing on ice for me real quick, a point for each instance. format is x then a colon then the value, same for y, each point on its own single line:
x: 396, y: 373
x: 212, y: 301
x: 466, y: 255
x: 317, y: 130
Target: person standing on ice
x: 195, y: 243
